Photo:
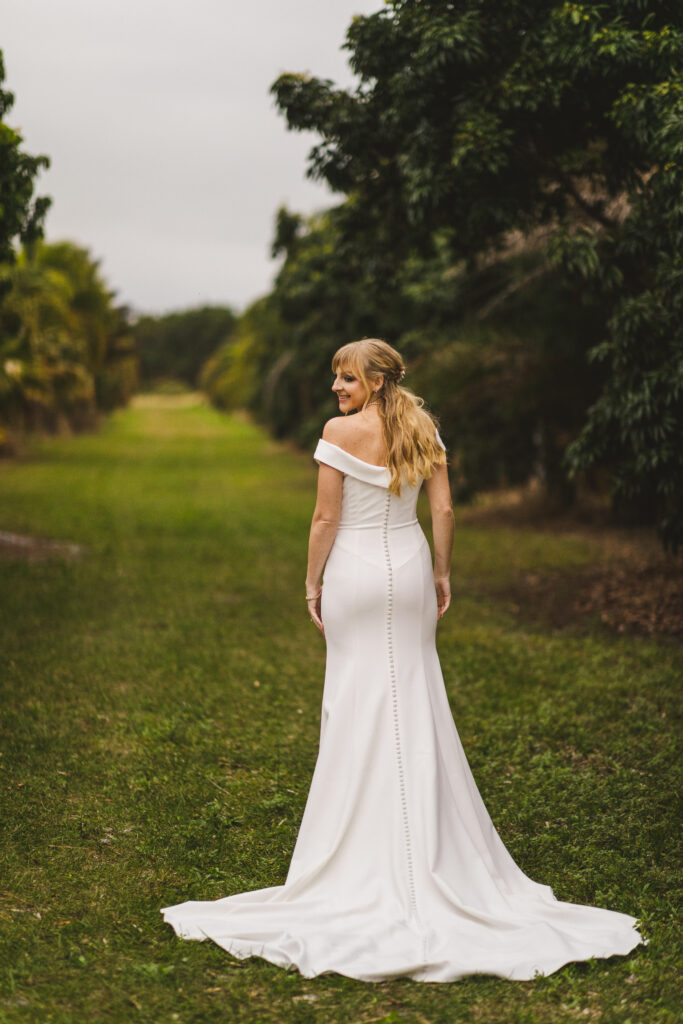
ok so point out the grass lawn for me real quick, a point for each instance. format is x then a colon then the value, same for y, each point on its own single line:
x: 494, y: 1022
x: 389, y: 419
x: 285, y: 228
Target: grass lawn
x: 160, y: 722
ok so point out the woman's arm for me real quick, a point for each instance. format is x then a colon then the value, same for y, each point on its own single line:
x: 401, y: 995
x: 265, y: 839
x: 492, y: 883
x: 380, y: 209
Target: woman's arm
x: 323, y: 531
x: 438, y: 491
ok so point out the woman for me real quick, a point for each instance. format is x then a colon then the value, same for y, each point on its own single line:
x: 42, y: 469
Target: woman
x: 397, y: 867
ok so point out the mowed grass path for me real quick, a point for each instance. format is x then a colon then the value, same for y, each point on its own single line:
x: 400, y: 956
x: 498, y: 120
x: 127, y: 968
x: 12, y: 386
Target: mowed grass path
x: 160, y: 723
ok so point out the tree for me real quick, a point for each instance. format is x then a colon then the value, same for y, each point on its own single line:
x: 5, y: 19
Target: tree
x: 21, y: 216
x: 176, y: 345
x: 66, y: 350
x: 231, y: 376
x: 484, y: 117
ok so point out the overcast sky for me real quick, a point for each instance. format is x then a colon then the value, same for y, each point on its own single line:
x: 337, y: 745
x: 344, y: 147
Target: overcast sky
x: 169, y: 159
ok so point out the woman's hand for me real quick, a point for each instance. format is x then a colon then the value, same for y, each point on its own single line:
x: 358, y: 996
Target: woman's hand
x: 314, y: 604
x: 443, y: 593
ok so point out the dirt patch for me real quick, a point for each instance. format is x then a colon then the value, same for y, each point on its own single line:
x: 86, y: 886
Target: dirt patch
x: 635, y: 588
x: 646, y: 600
x: 34, y: 549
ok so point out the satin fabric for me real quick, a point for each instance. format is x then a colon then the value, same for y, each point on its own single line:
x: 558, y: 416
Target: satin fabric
x: 397, y: 867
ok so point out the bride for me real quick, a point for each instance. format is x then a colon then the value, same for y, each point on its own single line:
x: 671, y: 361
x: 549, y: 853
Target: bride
x: 397, y: 867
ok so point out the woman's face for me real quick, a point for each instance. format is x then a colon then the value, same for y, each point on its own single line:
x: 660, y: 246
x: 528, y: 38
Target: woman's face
x: 350, y: 391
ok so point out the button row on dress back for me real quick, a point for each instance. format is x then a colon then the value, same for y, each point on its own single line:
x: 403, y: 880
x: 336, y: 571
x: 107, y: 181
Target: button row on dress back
x: 394, y: 699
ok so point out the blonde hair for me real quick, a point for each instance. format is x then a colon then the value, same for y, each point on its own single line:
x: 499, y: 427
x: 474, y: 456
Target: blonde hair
x: 409, y: 430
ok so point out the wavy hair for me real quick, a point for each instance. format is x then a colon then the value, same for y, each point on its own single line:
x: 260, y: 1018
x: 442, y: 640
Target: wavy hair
x: 409, y: 430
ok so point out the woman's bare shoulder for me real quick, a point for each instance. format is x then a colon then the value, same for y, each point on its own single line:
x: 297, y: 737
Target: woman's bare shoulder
x: 338, y: 430
x: 357, y: 436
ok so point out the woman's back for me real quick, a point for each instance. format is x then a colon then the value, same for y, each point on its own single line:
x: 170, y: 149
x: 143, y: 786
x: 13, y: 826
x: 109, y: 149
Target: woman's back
x: 360, y: 435
x: 366, y: 499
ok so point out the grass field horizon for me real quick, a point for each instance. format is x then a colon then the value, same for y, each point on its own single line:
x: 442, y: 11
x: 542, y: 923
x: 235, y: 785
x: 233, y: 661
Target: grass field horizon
x: 161, y: 691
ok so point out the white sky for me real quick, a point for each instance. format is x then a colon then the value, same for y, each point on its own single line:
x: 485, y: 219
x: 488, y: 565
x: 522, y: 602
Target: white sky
x: 169, y: 159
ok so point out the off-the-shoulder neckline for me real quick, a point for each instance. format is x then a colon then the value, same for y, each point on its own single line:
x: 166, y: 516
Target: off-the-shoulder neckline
x: 372, y: 465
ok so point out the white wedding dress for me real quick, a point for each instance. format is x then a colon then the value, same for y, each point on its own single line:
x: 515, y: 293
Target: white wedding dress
x: 397, y: 867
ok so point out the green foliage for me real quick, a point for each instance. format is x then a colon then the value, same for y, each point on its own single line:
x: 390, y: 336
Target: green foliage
x: 65, y: 349
x: 476, y: 120
x: 636, y: 424
x: 177, y: 344
x: 488, y: 117
x: 510, y: 390
x: 230, y: 377
x: 21, y: 215
x: 142, y: 766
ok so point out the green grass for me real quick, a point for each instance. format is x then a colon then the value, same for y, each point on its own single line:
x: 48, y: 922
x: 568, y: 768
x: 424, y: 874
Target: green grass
x: 160, y: 724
